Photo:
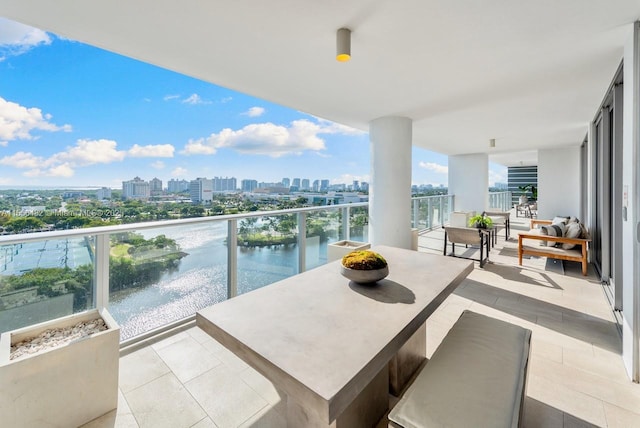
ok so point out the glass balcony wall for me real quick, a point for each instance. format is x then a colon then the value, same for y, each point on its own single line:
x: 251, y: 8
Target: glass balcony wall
x: 500, y: 201
x: 155, y: 275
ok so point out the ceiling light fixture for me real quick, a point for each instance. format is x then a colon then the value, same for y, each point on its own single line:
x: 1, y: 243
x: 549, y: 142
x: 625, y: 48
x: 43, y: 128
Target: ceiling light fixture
x: 343, y: 45
x: 492, y: 142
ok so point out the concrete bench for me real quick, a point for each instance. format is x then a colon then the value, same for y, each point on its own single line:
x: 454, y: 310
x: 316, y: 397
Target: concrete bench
x: 476, y: 378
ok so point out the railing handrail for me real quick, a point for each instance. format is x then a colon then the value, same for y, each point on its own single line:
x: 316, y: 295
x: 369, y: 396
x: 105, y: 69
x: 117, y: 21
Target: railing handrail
x: 120, y: 228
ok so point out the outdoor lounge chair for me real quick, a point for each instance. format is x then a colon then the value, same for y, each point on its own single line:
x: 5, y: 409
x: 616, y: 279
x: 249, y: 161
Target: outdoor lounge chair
x: 467, y: 236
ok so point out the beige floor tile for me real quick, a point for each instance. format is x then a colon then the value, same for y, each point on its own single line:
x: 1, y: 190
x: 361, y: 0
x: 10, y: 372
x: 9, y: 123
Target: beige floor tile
x: 225, y: 397
x: 187, y: 358
x: 139, y: 368
x: 611, y: 368
x: 164, y: 402
x: 546, y: 350
x: 230, y: 360
x: 113, y: 420
x: 169, y: 340
x: 541, y: 415
x: 266, y: 418
x: 571, y: 421
x: 621, y: 418
x: 584, y: 406
x: 122, y: 417
x: 205, y: 423
x: 200, y: 335
x: 264, y: 387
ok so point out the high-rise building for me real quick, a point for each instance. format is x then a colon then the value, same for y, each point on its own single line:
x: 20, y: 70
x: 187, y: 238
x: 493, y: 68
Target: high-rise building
x: 316, y: 186
x: 324, y: 185
x: 304, y: 184
x: 155, y: 185
x: 103, y: 193
x: 177, y: 186
x: 201, y: 190
x: 136, y: 189
x: 224, y: 184
x: 356, y: 185
x: 364, y: 186
x: 286, y: 182
x: 295, y: 183
x: 249, y: 185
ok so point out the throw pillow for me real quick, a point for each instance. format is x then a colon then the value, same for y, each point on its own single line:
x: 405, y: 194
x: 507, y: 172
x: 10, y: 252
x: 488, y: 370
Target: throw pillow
x: 559, y: 219
x: 573, y: 230
x: 552, y: 230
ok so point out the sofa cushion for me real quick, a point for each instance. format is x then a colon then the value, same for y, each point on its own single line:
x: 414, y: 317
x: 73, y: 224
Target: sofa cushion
x: 573, y: 230
x: 552, y: 230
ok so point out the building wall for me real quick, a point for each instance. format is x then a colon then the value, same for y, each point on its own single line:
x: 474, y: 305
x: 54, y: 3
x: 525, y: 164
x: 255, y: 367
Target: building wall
x: 631, y: 146
x: 559, y: 182
x: 469, y: 181
x: 521, y: 176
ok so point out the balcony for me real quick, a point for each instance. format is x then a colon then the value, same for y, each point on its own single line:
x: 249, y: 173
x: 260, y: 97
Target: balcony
x: 177, y: 376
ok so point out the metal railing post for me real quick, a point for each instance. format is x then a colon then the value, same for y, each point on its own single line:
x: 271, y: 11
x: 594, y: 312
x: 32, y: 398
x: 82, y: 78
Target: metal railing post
x: 416, y: 213
x: 302, y: 242
x: 232, y: 258
x: 101, y: 270
x: 441, y: 213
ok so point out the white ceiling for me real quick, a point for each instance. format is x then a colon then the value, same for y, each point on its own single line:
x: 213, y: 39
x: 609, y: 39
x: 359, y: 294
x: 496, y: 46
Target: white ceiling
x: 529, y: 74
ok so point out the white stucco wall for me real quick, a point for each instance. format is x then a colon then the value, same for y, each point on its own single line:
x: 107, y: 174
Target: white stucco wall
x: 631, y: 143
x: 559, y: 182
x: 469, y: 181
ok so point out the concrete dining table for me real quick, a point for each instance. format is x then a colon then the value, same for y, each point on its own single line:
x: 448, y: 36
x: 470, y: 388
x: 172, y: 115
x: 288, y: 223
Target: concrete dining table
x: 334, y: 347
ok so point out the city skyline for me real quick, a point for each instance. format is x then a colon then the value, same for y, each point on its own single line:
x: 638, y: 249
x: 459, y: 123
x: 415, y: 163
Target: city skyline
x: 72, y: 115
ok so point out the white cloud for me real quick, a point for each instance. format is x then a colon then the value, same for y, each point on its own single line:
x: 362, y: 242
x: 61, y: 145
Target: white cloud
x: 63, y: 170
x: 158, y: 165
x: 435, y: 167
x: 254, y: 112
x: 226, y: 100
x: 194, y: 99
x: 151, y: 151
x: 171, y: 97
x: 89, y: 152
x: 16, y: 38
x: 17, y: 122
x: 263, y: 139
x: 349, y: 179
x: 179, y: 172
x: 22, y: 160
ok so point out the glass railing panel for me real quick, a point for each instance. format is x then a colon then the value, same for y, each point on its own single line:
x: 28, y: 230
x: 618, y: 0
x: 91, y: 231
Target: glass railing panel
x: 161, y: 275
x: 43, y: 280
x: 323, y: 228
x: 359, y: 224
x: 267, y: 250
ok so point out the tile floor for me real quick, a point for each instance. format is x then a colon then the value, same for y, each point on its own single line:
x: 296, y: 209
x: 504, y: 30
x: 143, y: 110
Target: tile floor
x: 576, y: 375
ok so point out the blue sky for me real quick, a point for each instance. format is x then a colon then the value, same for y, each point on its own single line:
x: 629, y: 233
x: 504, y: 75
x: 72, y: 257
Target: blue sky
x: 75, y: 115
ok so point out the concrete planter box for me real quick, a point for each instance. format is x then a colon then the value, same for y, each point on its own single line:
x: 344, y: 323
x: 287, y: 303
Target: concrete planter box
x: 339, y: 249
x: 66, y: 386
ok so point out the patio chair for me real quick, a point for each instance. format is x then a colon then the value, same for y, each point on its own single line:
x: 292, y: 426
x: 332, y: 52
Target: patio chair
x: 467, y: 236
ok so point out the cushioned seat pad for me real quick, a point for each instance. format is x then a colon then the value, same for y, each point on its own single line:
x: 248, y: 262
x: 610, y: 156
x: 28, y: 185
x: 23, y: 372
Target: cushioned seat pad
x: 475, y: 378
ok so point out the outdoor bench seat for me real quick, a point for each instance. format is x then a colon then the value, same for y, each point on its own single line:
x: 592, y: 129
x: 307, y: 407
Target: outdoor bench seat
x: 476, y: 378
x: 529, y: 244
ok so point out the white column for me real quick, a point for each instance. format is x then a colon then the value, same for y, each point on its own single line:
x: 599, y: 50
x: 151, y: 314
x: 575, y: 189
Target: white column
x: 390, y: 188
x: 469, y: 181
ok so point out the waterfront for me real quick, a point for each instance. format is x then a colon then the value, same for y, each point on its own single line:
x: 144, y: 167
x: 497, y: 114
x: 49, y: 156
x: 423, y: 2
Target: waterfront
x: 200, y: 280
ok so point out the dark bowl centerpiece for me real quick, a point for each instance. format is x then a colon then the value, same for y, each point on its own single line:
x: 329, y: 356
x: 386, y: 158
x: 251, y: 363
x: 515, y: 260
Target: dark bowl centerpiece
x: 364, y: 267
